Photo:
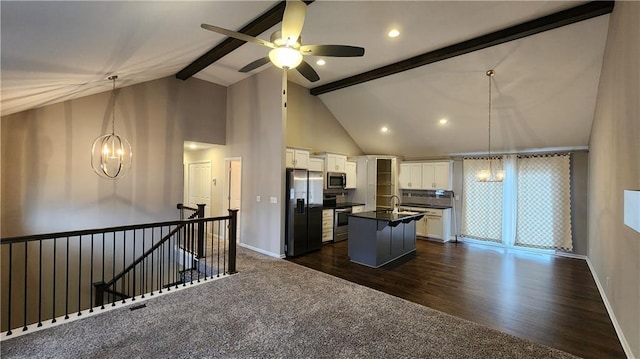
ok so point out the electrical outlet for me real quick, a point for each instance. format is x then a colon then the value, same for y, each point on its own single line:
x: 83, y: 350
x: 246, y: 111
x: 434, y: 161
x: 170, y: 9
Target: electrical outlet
x: 273, y: 199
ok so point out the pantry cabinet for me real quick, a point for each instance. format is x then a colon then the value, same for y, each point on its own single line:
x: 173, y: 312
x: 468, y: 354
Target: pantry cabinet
x: 350, y: 170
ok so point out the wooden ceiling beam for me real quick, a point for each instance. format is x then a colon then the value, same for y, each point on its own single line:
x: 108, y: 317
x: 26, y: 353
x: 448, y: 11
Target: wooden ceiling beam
x: 545, y: 23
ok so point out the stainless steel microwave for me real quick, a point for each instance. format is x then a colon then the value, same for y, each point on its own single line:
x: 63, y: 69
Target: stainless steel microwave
x: 336, y: 180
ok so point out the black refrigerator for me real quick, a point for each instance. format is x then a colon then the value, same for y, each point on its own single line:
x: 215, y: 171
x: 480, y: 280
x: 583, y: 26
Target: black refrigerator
x: 303, y: 222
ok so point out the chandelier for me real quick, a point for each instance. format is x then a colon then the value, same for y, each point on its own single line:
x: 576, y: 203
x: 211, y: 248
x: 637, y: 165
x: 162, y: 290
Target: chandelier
x: 489, y: 175
x: 111, y: 154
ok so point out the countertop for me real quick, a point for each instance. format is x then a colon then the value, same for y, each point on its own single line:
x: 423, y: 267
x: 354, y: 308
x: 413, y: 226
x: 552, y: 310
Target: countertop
x: 343, y: 205
x: 422, y: 205
x: 388, y: 216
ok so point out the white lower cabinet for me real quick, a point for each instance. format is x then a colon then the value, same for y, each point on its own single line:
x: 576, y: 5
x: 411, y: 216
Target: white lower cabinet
x: 327, y: 225
x: 434, y: 225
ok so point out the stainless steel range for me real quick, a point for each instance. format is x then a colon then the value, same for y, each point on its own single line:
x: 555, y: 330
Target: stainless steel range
x: 341, y: 224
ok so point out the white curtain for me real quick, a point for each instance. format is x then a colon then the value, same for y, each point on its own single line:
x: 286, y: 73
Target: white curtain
x: 530, y: 208
x: 482, y: 203
x: 509, y: 207
x: 544, y: 202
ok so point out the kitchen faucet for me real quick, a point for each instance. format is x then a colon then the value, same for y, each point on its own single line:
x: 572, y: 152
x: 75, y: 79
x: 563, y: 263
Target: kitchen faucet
x: 395, y: 209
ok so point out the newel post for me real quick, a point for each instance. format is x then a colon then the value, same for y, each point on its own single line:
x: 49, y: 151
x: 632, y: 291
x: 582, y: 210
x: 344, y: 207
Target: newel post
x: 233, y: 226
x: 200, y: 251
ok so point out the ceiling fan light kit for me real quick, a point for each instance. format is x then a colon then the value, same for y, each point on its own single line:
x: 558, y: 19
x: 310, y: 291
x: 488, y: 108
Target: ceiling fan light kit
x: 286, y: 44
x: 111, y: 155
x: 488, y: 175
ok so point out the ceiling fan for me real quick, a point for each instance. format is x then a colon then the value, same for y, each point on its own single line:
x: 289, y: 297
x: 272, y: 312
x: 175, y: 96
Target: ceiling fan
x: 286, y: 46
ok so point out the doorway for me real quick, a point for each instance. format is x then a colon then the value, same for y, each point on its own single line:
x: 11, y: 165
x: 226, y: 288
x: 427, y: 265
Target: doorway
x: 199, y: 188
x: 233, y: 188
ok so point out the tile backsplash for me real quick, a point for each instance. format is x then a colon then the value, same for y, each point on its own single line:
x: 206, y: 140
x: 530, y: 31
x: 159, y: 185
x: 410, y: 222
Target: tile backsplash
x: 428, y: 197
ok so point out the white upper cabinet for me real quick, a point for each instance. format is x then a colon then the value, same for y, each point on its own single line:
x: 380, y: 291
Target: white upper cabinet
x: 436, y: 175
x: 316, y: 164
x: 297, y: 158
x: 410, y: 176
x: 350, y: 170
x: 336, y: 163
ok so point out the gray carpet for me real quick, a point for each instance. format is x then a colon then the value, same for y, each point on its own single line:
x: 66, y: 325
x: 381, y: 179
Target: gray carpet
x: 274, y: 308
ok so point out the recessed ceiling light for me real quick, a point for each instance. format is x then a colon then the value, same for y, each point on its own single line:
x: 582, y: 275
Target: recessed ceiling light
x: 384, y: 129
x: 443, y: 121
x: 320, y: 62
x: 394, y: 33
x: 192, y: 146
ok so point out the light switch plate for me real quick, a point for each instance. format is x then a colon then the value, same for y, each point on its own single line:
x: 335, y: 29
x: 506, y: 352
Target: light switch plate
x: 273, y: 199
x: 257, y: 198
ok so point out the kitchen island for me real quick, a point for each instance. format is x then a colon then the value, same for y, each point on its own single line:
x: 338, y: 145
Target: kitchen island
x: 379, y: 237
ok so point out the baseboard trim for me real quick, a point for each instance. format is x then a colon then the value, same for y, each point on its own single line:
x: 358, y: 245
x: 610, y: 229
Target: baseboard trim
x: 623, y: 341
x: 262, y: 251
x: 570, y: 255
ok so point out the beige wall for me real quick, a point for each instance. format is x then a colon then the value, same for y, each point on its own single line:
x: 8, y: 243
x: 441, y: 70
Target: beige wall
x: 614, y: 165
x: 255, y: 133
x: 47, y: 181
x: 311, y: 125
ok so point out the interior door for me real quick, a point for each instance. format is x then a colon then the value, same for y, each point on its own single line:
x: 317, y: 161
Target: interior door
x: 200, y: 185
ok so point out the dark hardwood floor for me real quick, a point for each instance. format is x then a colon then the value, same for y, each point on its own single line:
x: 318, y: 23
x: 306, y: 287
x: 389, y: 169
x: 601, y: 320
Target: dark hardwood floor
x: 549, y: 300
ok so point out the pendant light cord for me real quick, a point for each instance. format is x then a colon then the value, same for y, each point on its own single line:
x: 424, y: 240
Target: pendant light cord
x: 113, y: 104
x: 490, y: 74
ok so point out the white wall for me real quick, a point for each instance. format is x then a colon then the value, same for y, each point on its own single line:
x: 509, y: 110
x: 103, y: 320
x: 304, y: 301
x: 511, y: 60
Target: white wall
x: 614, y: 165
x: 255, y: 132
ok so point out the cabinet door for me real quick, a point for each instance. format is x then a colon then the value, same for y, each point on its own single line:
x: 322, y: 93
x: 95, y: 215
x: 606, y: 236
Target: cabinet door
x: 341, y: 163
x: 441, y: 174
x: 316, y: 164
x: 405, y: 176
x: 427, y: 176
x: 415, y: 180
x: 350, y: 170
x: 421, y: 227
x: 331, y: 163
x: 289, y: 158
x: 301, y: 159
x: 435, y: 227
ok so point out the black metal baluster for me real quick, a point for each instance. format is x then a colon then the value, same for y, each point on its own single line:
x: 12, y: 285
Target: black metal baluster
x: 10, y: 287
x: 202, y: 253
x: 113, y: 269
x: 143, y: 272
x: 91, y: 302
x: 124, y: 259
x: 218, y: 244
x: 192, y: 244
x: 66, y: 283
x: 26, y: 250
x: 184, y: 254
x: 103, y: 280
x: 161, y: 262
x: 153, y: 234
x: 79, y: 275
x: 169, y: 272
x: 133, y: 258
x: 224, y: 252
x: 53, y: 313
x: 40, y: 285
x: 174, y: 250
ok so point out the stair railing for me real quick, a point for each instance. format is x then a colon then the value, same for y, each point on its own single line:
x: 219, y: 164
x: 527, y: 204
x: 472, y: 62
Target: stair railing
x: 59, y: 275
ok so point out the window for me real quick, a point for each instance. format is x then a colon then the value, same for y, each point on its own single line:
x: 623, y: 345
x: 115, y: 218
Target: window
x: 531, y: 208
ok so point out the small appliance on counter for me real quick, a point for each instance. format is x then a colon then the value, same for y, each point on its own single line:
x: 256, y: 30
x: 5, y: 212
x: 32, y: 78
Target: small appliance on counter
x: 303, y: 221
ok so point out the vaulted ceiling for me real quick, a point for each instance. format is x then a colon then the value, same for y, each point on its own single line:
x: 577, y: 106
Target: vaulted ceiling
x: 543, y: 93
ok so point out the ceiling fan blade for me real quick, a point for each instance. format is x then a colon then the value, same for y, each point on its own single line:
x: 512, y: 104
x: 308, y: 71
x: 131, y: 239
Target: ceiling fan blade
x: 332, y: 50
x: 293, y: 20
x: 255, y: 64
x: 237, y: 35
x: 307, y: 71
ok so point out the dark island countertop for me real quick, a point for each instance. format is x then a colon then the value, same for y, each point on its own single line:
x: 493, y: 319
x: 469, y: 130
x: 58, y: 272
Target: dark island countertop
x: 388, y: 216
